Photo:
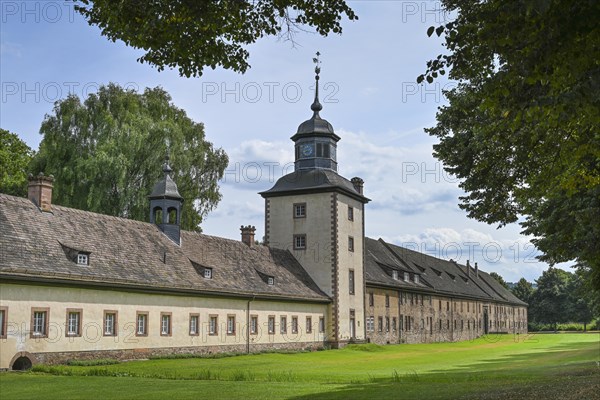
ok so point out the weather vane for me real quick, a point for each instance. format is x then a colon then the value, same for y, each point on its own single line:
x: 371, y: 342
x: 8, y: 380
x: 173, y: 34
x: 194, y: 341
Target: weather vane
x: 317, y: 64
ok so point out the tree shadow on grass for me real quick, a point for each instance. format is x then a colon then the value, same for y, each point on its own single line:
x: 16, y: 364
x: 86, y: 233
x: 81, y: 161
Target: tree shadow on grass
x: 563, y: 372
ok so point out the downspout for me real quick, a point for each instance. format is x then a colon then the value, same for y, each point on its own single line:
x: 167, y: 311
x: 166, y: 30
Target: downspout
x: 248, y: 324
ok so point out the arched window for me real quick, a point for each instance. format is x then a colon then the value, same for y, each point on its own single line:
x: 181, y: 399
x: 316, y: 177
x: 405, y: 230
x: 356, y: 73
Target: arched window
x: 158, y: 218
x: 172, y: 215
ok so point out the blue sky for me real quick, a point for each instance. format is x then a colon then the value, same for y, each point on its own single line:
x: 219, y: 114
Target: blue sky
x: 369, y: 95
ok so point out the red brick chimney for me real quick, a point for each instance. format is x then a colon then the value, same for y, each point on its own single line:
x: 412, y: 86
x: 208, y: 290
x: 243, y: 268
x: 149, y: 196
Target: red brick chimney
x: 39, y: 191
x: 248, y: 235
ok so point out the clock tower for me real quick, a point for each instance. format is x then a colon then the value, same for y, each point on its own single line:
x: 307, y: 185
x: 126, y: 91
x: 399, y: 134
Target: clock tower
x: 318, y: 216
x: 315, y: 141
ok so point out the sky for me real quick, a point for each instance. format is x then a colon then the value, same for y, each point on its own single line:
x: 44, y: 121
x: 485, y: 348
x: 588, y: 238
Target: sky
x: 369, y: 94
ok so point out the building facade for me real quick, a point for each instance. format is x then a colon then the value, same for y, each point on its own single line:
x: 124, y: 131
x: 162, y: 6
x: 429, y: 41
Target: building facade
x: 81, y: 285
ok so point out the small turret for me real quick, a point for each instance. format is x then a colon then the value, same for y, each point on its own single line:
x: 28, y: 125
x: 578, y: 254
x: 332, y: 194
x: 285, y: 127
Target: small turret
x: 166, y: 204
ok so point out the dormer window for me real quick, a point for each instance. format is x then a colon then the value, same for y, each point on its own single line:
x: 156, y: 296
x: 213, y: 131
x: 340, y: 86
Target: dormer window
x: 207, y: 273
x: 82, y: 259
x: 395, y: 275
x: 270, y: 280
x: 416, y: 278
x: 406, y: 277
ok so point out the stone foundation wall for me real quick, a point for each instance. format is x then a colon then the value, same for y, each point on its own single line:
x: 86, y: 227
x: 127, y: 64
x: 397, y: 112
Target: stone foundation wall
x: 145, y: 353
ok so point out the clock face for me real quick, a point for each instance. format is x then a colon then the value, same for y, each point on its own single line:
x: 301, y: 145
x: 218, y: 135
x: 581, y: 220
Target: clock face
x: 307, y: 150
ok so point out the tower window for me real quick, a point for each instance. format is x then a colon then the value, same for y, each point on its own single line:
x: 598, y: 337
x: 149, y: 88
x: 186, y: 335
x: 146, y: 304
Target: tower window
x: 350, y: 243
x: 172, y: 215
x: 300, y: 210
x: 323, y: 150
x: 351, y: 281
x: 299, y: 242
x: 350, y: 213
x: 158, y: 216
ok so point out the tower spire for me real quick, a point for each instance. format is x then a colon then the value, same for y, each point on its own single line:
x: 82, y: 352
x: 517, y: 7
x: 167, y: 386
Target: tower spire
x: 316, y: 105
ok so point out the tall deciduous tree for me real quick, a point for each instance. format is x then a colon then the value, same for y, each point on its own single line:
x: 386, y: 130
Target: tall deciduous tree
x: 551, y: 301
x: 499, y: 279
x: 193, y: 34
x: 523, y: 290
x: 107, y: 153
x: 15, y: 157
x: 522, y: 128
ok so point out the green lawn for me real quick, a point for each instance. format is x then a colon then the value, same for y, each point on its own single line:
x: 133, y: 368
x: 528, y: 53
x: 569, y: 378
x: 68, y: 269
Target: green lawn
x: 543, y: 366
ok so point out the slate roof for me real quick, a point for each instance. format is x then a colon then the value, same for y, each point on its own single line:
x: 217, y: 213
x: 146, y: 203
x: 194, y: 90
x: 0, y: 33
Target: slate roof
x: 315, y: 180
x: 135, y: 255
x: 436, y: 275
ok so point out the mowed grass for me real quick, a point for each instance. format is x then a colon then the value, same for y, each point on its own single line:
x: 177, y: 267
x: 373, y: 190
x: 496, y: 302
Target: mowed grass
x: 495, y: 367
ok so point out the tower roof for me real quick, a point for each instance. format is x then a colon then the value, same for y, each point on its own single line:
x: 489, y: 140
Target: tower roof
x: 316, y: 180
x: 166, y: 188
x: 316, y: 125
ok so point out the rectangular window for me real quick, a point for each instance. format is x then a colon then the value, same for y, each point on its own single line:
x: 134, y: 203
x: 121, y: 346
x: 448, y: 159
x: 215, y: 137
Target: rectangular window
x: 370, y: 324
x: 110, y: 323
x: 213, y: 325
x: 380, y: 324
x: 271, y: 326
x: 254, y: 325
x: 300, y: 210
x: 350, y: 243
x: 308, y: 325
x: 406, y: 276
x: 165, y: 324
x: 371, y: 299
x: 387, y: 324
x: 299, y: 242
x: 394, y: 324
x: 3, y: 321
x: 321, y: 324
x: 440, y: 305
x: 231, y: 324
x: 73, y: 322
x: 208, y: 273
x: 283, y: 325
x: 270, y: 280
x: 351, y: 281
x: 194, y: 324
x: 350, y: 213
x: 294, y: 324
x: 395, y: 275
x: 141, y: 324
x: 416, y: 278
x: 447, y: 306
x: 387, y: 300
x: 39, y: 322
